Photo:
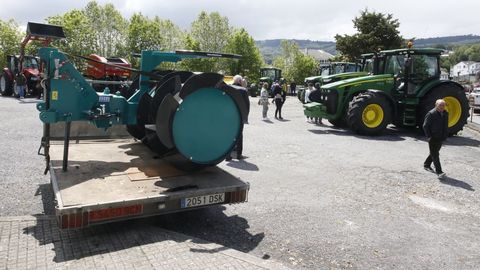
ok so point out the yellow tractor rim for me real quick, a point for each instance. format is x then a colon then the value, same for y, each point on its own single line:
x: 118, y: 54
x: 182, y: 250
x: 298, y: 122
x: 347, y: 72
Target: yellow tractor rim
x: 454, y: 109
x: 372, y: 115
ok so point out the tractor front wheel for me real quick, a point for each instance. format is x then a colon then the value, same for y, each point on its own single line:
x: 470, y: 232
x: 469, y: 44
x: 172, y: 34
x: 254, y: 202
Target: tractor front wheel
x: 369, y: 114
x: 456, y: 105
x: 6, y: 85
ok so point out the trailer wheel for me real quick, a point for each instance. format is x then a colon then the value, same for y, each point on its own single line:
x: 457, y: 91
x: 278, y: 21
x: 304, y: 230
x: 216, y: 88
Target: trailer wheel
x: 6, y: 85
x: 369, y: 114
x: 457, y: 106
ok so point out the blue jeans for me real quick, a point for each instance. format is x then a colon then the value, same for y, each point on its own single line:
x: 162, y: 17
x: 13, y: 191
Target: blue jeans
x: 21, y: 90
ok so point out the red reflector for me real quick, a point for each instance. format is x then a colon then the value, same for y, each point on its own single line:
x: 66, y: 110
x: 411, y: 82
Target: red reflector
x: 112, y: 213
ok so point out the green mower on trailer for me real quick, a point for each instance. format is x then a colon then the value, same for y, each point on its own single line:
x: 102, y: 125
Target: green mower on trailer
x: 401, y: 91
x: 338, y: 71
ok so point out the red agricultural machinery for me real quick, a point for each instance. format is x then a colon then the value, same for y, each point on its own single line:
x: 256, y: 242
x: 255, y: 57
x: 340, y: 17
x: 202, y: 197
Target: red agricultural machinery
x: 26, y: 64
x: 99, y: 69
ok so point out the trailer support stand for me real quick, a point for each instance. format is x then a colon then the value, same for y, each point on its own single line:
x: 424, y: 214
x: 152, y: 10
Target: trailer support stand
x: 66, y: 145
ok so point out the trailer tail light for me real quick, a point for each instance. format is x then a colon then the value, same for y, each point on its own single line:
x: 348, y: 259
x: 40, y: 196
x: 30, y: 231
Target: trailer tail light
x: 237, y: 196
x: 111, y: 213
x: 82, y: 219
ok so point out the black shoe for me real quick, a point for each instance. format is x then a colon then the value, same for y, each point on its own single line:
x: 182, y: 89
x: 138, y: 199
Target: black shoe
x: 441, y: 175
x: 428, y: 169
x: 281, y: 118
x: 229, y: 158
x: 240, y: 157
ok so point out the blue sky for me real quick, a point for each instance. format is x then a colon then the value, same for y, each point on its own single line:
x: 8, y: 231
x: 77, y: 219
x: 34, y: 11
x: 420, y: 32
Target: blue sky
x: 268, y: 19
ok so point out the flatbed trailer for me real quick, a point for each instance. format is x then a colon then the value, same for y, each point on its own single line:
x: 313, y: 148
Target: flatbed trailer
x: 118, y: 179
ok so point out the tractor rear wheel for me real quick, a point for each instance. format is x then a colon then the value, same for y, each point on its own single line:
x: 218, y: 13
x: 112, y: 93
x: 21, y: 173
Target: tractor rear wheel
x: 457, y: 106
x: 369, y: 114
x: 6, y: 85
x: 341, y: 122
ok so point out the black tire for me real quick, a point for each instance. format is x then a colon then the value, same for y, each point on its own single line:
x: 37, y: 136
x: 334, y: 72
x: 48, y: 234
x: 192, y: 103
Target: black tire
x: 440, y: 92
x: 356, y: 110
x: 341, y: 122
x: 7, y: 88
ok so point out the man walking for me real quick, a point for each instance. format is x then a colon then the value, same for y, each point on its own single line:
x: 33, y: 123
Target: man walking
x: 435, y: 127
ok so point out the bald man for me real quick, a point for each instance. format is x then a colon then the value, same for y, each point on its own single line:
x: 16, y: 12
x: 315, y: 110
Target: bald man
x: 435, y: 127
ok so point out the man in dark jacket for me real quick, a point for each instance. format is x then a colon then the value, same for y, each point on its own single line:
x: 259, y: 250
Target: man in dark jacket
x: 237, y: 81
x: 435, y: 127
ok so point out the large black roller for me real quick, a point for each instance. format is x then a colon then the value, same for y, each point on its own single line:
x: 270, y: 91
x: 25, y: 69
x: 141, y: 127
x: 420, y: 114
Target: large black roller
x: 172, y: 85
x: 138, y: 130
x: 234, y: 92
x: 164, y: 119
x: 199, y: 81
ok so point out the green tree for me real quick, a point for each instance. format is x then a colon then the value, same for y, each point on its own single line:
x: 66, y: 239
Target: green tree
x: 10, y: 37
x: 80, y: 39
x: 294, y: 64
x: 374, y: 31
x: 210, y: 32
x: 251, y: 62
x: 108, y: 28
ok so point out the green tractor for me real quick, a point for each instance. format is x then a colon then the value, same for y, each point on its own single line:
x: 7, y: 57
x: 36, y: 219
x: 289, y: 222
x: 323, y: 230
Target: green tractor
x: 403, y: 88
x: 337, y: 71
x: 267, y: 75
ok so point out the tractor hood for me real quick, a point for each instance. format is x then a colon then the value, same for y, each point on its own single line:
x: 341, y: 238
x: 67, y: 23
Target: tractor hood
x: 336, y: 77
x: 358, y: 81
x: 344, y: 76
x: 312, y: 78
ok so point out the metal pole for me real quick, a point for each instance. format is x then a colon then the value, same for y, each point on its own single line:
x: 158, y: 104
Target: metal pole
x: 66, y: 145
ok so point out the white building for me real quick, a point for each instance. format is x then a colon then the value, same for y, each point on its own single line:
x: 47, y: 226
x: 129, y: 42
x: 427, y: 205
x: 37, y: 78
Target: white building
x: 319, y: 55
x: 465, y: 68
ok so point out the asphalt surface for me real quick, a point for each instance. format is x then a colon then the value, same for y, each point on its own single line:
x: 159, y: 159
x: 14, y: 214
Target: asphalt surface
x: 320, y: 197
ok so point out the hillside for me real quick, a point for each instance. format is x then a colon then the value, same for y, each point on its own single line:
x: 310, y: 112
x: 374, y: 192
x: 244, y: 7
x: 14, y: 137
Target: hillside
x: 271, y: 48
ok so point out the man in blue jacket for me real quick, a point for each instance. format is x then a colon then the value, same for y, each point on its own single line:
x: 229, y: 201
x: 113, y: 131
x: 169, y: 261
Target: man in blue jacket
x: 435, y: 127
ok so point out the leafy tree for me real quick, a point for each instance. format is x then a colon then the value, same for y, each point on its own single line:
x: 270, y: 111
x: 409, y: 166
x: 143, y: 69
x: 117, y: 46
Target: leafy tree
x: 153, y: 34
x: 108, y: 28
x: 10, y: 37
x: 211, y: 32
x: 80, y: 39
x: 294, y: 64
x: 251, y: 62
x: 374, y: 31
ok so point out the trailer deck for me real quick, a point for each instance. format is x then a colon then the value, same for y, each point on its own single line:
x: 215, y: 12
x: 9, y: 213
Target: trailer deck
x: 110, y: 180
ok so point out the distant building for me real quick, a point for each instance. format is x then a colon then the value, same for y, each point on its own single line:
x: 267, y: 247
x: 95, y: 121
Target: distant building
x: 320, y: 55
x: 467, y: 71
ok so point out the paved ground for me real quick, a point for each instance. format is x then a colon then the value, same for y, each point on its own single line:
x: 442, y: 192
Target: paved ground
x: 36, y: 243
x: 320, y: 197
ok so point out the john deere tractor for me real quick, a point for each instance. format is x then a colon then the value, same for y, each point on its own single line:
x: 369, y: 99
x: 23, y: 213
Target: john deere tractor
x: 337, y: 71
x: 267, y: 75
x: 401, y: 91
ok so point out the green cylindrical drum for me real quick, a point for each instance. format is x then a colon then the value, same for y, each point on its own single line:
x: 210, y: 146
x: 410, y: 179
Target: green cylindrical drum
x: 206, y: 126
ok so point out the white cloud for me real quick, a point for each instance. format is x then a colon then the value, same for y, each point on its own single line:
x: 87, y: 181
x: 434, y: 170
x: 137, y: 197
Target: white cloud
x: 267, y: 19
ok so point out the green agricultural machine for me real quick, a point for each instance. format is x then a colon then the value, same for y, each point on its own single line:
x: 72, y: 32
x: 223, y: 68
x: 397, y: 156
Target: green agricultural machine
x: 403, y: 88
x: 337, y: 71
x: 267, y: 75
x: 191, y: 120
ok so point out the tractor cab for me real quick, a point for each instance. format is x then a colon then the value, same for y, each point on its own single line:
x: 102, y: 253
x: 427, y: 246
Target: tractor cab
x: 29, y: 66
x: 270, y: 75
x: 344, y: 67
x: 411, y: 68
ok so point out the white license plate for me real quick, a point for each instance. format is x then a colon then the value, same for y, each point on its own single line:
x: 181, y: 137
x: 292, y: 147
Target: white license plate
x: 202, y: 200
